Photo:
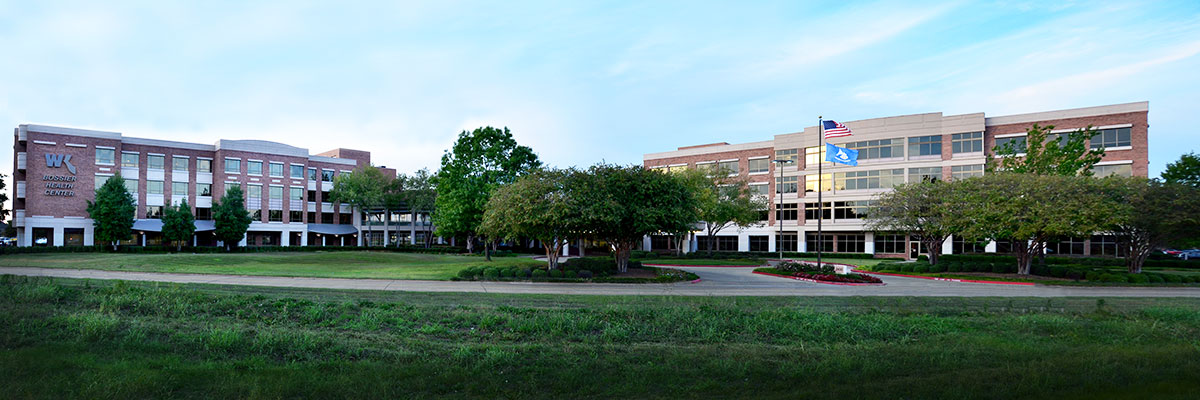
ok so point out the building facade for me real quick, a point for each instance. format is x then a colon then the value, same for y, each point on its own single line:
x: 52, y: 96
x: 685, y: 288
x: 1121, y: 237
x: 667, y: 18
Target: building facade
x: 892, y: 151
x: 56, y: 171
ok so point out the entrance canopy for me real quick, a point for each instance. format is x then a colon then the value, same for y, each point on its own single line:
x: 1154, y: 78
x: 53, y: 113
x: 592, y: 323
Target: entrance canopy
x: 332, y: 229
x: 155, y: 225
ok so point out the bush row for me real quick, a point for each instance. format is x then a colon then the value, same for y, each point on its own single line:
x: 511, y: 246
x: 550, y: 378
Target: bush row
x: 820, y: 276
x: 1159, y: 261
x: 492, y: 273
x: 719, y: 255
x: 241, y: 249
x: 1074, y: 272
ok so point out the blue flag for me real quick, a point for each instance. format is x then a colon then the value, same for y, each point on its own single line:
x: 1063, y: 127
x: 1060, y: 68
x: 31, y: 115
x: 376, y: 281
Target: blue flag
x: 841, y: 155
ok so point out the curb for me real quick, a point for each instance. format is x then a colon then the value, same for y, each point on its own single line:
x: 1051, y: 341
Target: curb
x: 934, y: 278
x: 816, y: 281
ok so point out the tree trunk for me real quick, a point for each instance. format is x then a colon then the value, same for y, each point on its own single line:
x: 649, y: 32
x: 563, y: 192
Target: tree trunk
x: 621, y: 251
x: 933, y: 248
x: 708, y: 229
x: 1136, y: 253
x: 1024, y: 253
x: 487, y: 249
x: 470, y: 244
x: 553, y: 251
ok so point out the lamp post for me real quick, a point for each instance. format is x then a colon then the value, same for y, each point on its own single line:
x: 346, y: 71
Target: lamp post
x: 779, y: 191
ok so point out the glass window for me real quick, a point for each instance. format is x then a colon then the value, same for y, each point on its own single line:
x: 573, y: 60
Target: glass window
x: 326, y: 218
x: 327, y: 175
x: 851, y: 243
x: 792, y: 155
x: 1101, y: 171
x: 277, y: 169
x: 813, y: 155
x: 275, y: 216
x: 787, y: 241
x: 296, y: 193
x: 179, y: 188
x: 787, y: 212
x: 345, y: 219
x: 297, y: 171
x: 325, y: 196
x: 233, y: 166
x: 925, y: 146
x: 179, y: 163
x: 721, y: 243
x: 204, y: 189
x: 729, y: 167
x: 759, y: 165
x: 965, y: 246
x: 296, y: 216
x: 708, y: 167
x: 312, y: 195
x: 312, y: 174
x: 1106, y: 245
x: 758, y: 189
x: 276, y: 192
x: 1068, y: 246
x: 877, y: 179
x: 1118, y: 137
x: 256, y: 215
x: 129, y: 160
x: 811, y: 210
x: 971, y: 142
x: 825, y: 242
x: 760, y: 243
x: 889, y: 244
x: 101, y: 179
x: 254, y: 191
x: 154, y: 212
x: 203, y: 213
x: 787, y: 184
x: 965, y: 171
x: 203, y: 165
x: 254, y: 167
x: 810, y: 183
x: 857, y: 209
x: 156, y: 162
x: 875, y: 149
x: 925, y: 174
x: 131, y: 185
x: 154, y: 187
x: 1019, y: 140
x: 106, y: 156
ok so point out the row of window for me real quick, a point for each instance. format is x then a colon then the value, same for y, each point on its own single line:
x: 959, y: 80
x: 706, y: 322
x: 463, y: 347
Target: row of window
x: 731, y: 167
x: 232, y: 165
x: 1100, y: 245
x: 1104, y: 138
x: 253, y: 191
x: 205, y: 213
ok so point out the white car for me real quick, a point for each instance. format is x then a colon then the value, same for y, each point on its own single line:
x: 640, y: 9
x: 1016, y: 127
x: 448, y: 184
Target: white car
x: 1193, y: 254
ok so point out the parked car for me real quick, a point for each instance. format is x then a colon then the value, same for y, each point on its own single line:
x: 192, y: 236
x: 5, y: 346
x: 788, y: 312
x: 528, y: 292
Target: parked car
x: 1172, y: 252
x: 1193, y: 254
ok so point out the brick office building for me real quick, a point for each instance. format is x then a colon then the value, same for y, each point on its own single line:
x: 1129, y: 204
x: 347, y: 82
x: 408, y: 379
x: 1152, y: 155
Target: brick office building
x: 893, y: 150
x: 56, y: 171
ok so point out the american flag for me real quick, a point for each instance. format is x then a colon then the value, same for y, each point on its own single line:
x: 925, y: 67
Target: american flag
x: 835, y: 130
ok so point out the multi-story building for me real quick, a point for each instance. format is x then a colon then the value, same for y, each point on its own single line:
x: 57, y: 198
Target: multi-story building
x: 56, y: 171
x: 892, y: 151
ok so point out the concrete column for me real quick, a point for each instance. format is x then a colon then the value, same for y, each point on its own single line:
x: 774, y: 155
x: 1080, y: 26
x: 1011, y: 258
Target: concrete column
x: 245, y: 236
x: 143, y: 240
x: 58, y: 236
x: 27, y: 237
x: 89, y: 236
x: 771, y: 243
x: 743, y: 241
x: 412, y: 228
x: 566, y: 249
x: 304, y: 238
x: 195, y: 240
x: 869, y: 242
x: 990, y: 248
x: 646, y: 243
x: 801, y: 244
x: 285, y: 238
x: 948, y: 245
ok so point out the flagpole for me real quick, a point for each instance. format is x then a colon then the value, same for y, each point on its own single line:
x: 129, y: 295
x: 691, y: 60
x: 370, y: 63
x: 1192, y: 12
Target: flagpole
x: 820, y: 187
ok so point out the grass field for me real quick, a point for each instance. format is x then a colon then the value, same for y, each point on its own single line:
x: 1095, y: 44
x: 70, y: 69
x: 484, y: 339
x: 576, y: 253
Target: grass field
x: 100, y: 339
x: 334, y: 264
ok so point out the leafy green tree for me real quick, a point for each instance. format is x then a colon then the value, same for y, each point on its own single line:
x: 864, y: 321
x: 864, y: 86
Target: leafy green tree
x: 3, y: 198
x: 418, y: 194
x: 1147, y: 215
x: 623, y: 204
x: 1030, y: 209
x: 927, y: 209
x: 1064, y: 154
x: 230, y: 217
x: 723, y: 201
x: 1185, y: 171
x: 537, y: 206
x: 178, y: 224
x: 365, y: 190
x: 479, y: 162
x: 112, y: 212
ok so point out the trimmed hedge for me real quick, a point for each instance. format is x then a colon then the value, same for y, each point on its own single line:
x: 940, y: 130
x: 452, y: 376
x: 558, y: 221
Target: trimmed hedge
x: 214, y: 250
x: 720, y: 255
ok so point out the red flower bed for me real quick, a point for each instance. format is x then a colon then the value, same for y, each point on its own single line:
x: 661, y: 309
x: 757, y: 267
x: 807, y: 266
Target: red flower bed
x: 847, y: 278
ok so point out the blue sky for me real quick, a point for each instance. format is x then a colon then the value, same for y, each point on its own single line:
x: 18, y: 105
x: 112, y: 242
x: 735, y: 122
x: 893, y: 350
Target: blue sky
x: 581, y: 82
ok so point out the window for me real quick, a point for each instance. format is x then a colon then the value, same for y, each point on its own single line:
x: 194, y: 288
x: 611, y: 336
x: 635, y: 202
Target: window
x: 345, y: 219
x: 312, y: 174
x: 787, y: 212
x: 297, y: 171
x: 179, y: 188
x: 155, y: 161
x: 129, y: 160
x: 971, y: 142
x: 132, y: 186
x: 758, y: 189
x: 312, y: 195
x: 327, y: 175
x: 254, y: 167
x: 233, y: 166
x: 1106, y: 245
x: 154, y: 187
x: 275, y: 216
x: 792, y: 155
x: 1018, y: 141
x: 100, y: 179
x: 204, y: 165
x: 811, y: 210
x: 179, y: 163
x: 729, y: 167
x: 760, y: 165
x: 925, y: 146
x: 275, y: 192
x: 325, y: 196
x: 851, y: 243
x: 204, y: 189
x: 825, y: 243
x: 1101, y: 171
x: 813, y: 155
x: 256, y: 215
x: 662, y: 242
x: 1068, y: 246
x: 875, y: 149
x: 295, y: 216
x: 721, y: 243
x: 877, y: 179
x: 856, y: 209
x: 1118, y: 137
x: 312, y: 217
x: 106, y: 156
x: 787, y: 241
x: 254, y: 191
x: 787, y: 184
x: 810, y: 183
x: 276, y: 169
x: 966, y: 246
x: 326, y: 218
x: 965, y: 171
x: 889, y: 244
x: 203, y: 213
x: 708, y: 167
x: 925, y: 174
x: 760, y: 243
x: 154, y: 212
x: 296, y: 193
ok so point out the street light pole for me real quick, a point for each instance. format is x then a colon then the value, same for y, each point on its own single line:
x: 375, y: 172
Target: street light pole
x: 779, y: 191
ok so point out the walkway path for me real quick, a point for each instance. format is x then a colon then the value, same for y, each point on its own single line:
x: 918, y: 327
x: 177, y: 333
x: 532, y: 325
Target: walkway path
x: 728, y: 281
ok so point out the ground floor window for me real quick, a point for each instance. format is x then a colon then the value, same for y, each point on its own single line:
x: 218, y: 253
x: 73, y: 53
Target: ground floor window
x: 326, y: 218
x: 154, y: 212
x: 662, y: 242
x: 275, y: 215
x: 1106, y: 246
x: 720, y: 243
x: 1068, y: 246
x: 760, y: 243
x: 851, y: 243
x: 73, y: 237
x: 43, y: 236
x: 295, y: 216
x: 787, y: 241
x: 345, y: 219
x: 825, y: 242
x: 1004, y: 246
x: 203, y: 213
x: 967, y: 246
x: 889, y: 244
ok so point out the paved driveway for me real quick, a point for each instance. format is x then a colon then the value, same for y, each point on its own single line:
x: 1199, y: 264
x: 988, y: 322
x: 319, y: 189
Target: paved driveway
x: 726, y: 281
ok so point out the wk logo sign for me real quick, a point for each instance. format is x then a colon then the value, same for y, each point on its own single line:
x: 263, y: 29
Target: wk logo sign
x: 58, y: 160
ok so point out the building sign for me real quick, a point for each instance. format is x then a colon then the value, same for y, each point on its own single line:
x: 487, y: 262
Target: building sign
x: 58, y: 160
x: 60, y: 185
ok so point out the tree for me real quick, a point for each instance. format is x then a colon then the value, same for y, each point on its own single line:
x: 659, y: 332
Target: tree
x: 418, y: 193
x: 723, y: 201
x: 364, y: 189
x: 231, y: 218
x: 621, y: 205
x: 479, y: 162
x: 1148, y: 214
x: 3, y: 199
x: 112, y: 212
x: 537, y: 206
x: 927, y: 209
x: 178, y: 224
x: 1185, y: 171
x: 1029, y: 209
x: 1063, y: 155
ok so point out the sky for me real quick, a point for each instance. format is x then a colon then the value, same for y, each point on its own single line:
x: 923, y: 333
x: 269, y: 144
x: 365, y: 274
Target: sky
x: 581, y: 82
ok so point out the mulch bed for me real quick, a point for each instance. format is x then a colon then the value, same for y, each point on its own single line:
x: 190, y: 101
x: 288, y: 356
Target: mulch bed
x: 636, y: 273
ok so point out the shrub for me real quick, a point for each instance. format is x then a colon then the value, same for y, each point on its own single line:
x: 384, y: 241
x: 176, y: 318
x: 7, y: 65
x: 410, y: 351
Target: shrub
x: 571, y: 274
x: 1058, y: 271
x: 585, y: 274
x: 523, y: 273
x: 642, y: 254
x: 1155, y: 278
x: 539, y: 273
x: 1075, y: 274
x: 921, y: 268
x: 1189, y: 279
x: 954, y: 267
x: 1092, y: 276
x: 1138, y: 278
x: 1000, y: 268
x: 908, y: 267
x: 1171, y: 278
x: 558, y: 273
x: 491, y: 273
x: 600, y: 266
x: 469, y: 272
x: 939, y: 268
x: 1114, y: 278
x: 508, y: 272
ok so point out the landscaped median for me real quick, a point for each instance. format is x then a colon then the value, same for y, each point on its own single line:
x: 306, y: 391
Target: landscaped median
x: 1000, y: 269
x: 824, y: 273
x: 586, y: 269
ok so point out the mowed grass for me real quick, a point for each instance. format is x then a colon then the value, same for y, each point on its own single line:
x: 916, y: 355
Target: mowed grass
x: 332, y: 264
x: 73, y: 339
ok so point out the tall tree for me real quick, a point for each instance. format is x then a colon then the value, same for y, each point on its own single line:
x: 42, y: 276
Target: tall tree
x: 364, y: 189
x: 1185, y: 171
x: 230, y: 217
x: 479, y: 162
x: 724, y: 201
x: 623, y: 204
x: 1147, y: 215
x: 178, y: 224
x: 1029, y: 210
x: 536, y: 206
x: 112, y: 212
x: 418, y: 193
x: 927, y: 209
x: 3, y: 198
x: 1063, y: 154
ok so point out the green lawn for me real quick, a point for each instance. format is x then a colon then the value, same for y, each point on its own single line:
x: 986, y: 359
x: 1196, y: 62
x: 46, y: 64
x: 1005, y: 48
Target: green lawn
x: 334, y: 264
x: 100, y: 339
